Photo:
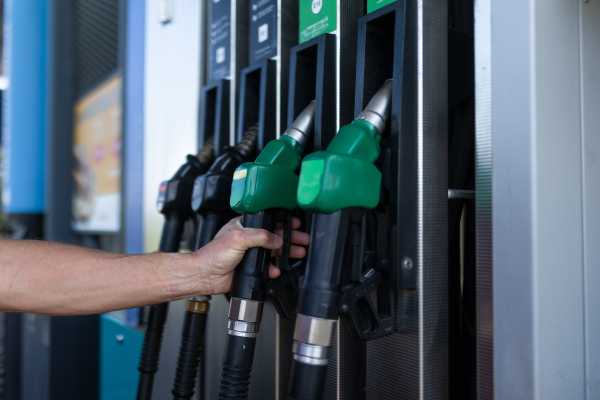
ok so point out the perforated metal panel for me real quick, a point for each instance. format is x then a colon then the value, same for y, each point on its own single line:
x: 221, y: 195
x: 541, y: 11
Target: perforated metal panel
x: 273, y: 357
x: 95, y: 41
x: 483, y: 154
x: 215, y: 339
x: 412, y: 362
x: 346, y: 377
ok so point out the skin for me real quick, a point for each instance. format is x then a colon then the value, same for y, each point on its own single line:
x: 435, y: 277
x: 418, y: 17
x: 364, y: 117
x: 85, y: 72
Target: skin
x: 58, y: 279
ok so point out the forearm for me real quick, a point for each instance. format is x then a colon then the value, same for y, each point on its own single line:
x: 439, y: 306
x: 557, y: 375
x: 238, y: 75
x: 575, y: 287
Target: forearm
x: 58, y: 279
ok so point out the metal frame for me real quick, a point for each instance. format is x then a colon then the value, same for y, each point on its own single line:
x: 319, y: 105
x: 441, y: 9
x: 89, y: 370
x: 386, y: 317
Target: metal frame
x: 483, y: 201
x: 537, y: 100
x: 412, y: 362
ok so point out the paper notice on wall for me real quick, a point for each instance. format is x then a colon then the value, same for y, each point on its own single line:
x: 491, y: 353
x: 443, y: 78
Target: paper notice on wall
x: 97, y: 125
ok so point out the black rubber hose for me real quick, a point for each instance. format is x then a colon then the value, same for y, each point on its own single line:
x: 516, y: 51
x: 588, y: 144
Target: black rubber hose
x: 171, y: 235
x: 320, y: 293
x: 194, y: 325
x: 249, y: 282
x: 151, y: 349
x: 190, y: 352
x: 306, y: 381
x: 237, y: 366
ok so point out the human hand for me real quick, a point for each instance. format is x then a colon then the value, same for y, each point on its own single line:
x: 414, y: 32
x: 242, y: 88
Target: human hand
x: 228, y: 247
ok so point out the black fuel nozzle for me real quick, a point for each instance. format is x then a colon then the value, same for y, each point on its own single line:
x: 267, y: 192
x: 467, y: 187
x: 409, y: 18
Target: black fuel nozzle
x: 212, y: 190
x: 174, y: 203
x: 174, y: 194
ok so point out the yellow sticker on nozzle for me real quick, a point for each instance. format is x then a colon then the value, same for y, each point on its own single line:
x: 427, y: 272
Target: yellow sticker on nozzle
x: 240, y: 174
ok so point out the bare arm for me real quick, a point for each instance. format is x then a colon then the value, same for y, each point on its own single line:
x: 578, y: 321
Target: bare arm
x: 59, y: 279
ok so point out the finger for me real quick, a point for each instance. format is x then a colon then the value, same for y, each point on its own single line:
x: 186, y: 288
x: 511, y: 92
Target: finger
x: 235, y: 223
x: 298, y: 237
x: 247, y: 238
x: 295, y: 252
x: 296, y: 223
x: 274, y: 272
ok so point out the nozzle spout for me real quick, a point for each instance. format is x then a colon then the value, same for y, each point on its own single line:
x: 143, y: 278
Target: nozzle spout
x: 377, y: 111
x: 302, y: 127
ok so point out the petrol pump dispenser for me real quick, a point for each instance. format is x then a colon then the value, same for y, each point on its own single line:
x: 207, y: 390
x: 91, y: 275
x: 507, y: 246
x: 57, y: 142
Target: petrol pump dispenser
x: 264, y: 191
x: 210, y: 200
x: 174, y: 203
x: 341, y: 186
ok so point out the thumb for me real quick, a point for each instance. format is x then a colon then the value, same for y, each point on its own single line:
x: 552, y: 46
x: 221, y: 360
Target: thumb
x: 250, y: 237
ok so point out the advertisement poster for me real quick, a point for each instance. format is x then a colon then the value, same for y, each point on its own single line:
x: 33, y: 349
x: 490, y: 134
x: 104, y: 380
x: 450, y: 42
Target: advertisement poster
x: 97, y: 158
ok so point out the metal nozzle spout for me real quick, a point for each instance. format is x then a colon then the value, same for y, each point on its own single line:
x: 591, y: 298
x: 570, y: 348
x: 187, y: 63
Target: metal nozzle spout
x: 302, y: 127
x: 377, y: 111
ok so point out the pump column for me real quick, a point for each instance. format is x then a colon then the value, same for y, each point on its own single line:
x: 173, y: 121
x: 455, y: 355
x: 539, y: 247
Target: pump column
x: 389, y: 41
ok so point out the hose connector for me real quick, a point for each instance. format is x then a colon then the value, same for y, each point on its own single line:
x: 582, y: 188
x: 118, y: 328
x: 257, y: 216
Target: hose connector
x: 377, y: 112
x: 206, y: 153
x: 247, y: 146
x: 302, y: 127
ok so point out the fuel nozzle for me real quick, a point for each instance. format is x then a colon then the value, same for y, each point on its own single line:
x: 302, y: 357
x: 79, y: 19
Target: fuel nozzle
x: 174, y: 194
x: 377, y: 112
x: 302, y: 127
x: 213, y: 189
x: 270, y: 181
x: 348, y: 162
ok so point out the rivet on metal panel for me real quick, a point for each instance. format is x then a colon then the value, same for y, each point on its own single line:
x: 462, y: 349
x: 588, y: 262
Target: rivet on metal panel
x: 407, y: 263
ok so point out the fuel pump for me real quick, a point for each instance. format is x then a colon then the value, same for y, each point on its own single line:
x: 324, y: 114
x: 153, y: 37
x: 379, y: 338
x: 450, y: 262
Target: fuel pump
x: 264, y: 192
x: 210, y: 201
x: 342, y: 187
x: 174, y: 203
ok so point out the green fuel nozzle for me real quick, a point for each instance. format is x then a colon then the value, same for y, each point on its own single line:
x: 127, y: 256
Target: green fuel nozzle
x: 340, y: 186
x: 271, y: 181
x: 263, y: 191
x: 344, y: 175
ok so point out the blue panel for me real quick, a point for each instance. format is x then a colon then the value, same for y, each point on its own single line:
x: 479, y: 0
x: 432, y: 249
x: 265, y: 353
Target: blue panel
x: 134, y: 126
x: 120, y: 348
x: 24, y: 106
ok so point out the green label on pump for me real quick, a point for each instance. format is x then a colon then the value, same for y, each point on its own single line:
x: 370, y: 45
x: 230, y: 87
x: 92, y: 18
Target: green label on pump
x: 317, y: 17
x: 237, y: 187
x: 373, y: 5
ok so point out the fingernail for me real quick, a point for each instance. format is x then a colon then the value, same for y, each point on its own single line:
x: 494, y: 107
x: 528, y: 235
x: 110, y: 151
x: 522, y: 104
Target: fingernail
x: 278, y: 240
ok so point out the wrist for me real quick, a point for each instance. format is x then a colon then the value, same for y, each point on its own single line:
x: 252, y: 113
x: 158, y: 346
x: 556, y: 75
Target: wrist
x: 182, y: 275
